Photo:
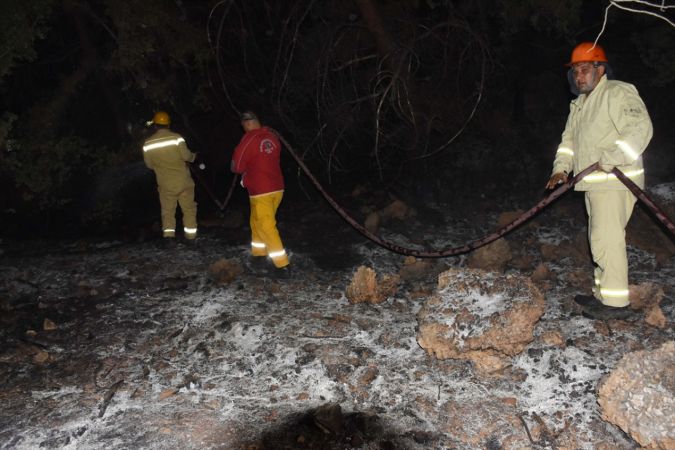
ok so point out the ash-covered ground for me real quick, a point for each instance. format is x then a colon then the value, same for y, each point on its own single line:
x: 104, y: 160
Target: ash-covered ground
x: 118, y: 344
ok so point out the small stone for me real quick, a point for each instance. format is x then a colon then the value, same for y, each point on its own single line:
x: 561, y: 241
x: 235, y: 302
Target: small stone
x: 372, y: 222
x: 553, y: 338
x: 166, y: 393
x: 48, y: 325
x: 41, y: 357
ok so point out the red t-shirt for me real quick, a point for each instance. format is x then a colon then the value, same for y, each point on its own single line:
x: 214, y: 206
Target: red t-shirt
x: 257, y: 159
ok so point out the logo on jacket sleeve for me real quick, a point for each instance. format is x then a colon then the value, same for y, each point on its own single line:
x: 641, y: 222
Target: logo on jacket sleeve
x: 266, y: 146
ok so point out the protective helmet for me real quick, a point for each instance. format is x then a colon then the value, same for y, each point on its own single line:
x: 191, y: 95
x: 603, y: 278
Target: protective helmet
x: 161, y: 118
x: 587, y: 51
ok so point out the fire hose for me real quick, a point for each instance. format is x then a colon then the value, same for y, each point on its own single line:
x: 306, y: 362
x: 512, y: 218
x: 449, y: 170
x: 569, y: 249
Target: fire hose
x: 209, y: 191
x: 473, y: 245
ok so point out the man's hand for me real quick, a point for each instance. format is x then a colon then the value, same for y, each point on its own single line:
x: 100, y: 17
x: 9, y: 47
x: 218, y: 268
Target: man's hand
x: 556, y: 179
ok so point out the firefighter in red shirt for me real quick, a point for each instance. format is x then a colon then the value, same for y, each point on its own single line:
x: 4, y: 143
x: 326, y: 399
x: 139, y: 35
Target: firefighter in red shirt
x: 256, y: 158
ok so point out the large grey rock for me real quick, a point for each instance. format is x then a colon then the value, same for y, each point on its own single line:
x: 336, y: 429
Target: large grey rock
x: 480, y: 316
x: 639, y: 396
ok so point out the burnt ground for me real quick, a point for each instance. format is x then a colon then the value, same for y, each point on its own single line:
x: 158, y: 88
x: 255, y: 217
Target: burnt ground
x: 129, y: 343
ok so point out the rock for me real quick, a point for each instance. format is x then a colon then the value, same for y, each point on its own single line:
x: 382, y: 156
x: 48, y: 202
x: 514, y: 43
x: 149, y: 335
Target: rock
x: 480, y: 316
x: 639, y: 396
x: 493, y: 256
x: 415, y: 269
x: 49, y: 325
x: 578, y: 250
x: 368, y: 376
x: 225, y: 271
x: 655, y: 318
x: 166, y: 393
x: 550, y: 252
x: 40, y: 357
x: 484, y: 423
x: 506, y: 218
x: 395, y: 210
x: 522, y: 262
x: 647, y: 297
x: 542, y: 272
x: 364, y: 287
x: 553, y: 338
x: 372, y: 222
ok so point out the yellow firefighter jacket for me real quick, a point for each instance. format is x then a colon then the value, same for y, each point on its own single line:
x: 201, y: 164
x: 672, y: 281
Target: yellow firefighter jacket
x: 167, y: 154
x: 610, y: 125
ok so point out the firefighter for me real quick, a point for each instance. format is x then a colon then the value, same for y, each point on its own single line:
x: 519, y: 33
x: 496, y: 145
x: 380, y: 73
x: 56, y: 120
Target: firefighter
x: 166, y: 153
x: 256, y: 158
x: 608, y: 123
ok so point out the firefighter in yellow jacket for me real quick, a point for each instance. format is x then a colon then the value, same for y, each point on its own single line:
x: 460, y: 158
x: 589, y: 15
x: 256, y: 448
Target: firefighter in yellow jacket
x: 608, y: 123
x: 166, y: 153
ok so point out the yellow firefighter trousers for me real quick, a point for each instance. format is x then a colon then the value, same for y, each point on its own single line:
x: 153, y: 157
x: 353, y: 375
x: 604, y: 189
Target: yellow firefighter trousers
x: 265, y: 239
x: 608, y: 215
x: 168, y: 198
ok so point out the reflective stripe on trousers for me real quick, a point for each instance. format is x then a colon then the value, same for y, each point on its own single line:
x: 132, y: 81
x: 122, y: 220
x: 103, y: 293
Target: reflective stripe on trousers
x: 608, y: 214
x: 264, y: 228
x: 169, y: 200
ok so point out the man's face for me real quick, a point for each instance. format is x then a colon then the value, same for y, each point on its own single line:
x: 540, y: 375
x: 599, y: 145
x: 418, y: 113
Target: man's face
x: 249, y: 125
x: 586, y: 76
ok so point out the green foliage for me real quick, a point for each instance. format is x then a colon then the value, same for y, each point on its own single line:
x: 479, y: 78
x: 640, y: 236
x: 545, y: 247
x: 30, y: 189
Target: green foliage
x: 22, y: 23
x: 47, y: 173
x: 157, y: 48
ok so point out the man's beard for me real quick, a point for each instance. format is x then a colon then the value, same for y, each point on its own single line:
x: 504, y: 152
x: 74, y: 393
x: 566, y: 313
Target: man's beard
x: 587, y: 88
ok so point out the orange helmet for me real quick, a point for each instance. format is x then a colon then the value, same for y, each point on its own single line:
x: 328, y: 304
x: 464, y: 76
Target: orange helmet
x: 161, y: 118
x: 587, y: 51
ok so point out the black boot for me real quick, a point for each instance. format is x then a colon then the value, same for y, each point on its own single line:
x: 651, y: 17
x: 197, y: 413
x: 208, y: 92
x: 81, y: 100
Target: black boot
x: 598, y: 311
x: 585, y: 300
x: 257, y: 263
x: 283, y: 273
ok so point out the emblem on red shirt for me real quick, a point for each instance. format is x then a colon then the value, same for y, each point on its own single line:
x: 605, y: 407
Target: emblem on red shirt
x: 266, y: 146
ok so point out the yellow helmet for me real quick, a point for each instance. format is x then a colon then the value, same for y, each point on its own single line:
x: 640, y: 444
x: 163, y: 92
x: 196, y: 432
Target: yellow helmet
x: 161, y: 118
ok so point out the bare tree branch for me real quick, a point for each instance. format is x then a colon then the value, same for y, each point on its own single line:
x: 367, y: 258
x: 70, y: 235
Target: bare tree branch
x: 661, y: 6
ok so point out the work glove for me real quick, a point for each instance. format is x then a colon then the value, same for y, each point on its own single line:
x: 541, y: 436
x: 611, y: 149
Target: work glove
x: 556, y: 179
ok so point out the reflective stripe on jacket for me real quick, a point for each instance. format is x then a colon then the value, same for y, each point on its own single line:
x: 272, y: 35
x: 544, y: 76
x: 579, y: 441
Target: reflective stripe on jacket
x: 167, y: 154
x: 257, y: 159
x: 610, y: 125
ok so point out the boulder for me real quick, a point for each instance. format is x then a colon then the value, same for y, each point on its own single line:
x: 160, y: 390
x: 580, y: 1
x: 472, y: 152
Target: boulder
x: 365, y: 288
x: 647, y: 297
x: 639, y: 396
x: 486, y: 423
x: 493, y: 256
x: 480, y: 316
x: 225, y: 271
x: 415, y: 269
x: 372, y: 222
x: 396, y: 210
